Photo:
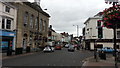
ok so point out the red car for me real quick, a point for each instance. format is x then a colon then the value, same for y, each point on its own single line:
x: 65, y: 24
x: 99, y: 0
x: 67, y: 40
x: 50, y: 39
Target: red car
x: 58, y: 47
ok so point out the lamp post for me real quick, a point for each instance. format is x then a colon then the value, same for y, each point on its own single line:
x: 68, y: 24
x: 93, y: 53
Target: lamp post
x: 77, y: 29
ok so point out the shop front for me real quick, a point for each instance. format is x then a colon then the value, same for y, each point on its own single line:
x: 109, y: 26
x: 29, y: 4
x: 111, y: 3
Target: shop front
x: 8, y: 41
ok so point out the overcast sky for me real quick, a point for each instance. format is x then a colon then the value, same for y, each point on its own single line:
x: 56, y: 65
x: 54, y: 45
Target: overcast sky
x: 66, y: 13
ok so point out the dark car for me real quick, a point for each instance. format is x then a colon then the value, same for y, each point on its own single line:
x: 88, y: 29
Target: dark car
x: 58, y: 47
x: 71, y: 48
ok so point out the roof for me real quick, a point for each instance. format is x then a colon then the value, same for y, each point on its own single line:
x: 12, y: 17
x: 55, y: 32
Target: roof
x: 36, y: 7
x: 92, y: 18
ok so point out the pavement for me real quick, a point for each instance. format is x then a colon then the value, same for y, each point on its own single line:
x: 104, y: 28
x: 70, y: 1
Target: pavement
x: 4, y: 55
x: 100, y: 63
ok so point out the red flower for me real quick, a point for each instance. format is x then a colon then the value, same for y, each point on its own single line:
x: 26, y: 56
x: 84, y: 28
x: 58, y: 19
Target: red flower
x: 105, y: 18
x: 116, y: 14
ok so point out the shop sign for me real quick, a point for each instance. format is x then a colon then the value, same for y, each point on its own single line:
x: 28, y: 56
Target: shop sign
x: 11, y: 34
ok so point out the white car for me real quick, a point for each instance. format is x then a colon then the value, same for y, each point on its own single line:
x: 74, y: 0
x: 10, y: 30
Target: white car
x: 67, y: 45
x: 52, y: 49
x: 47, y: 49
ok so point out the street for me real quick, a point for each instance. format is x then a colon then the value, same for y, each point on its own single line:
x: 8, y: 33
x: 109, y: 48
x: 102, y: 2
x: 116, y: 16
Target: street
x: 57, y: 58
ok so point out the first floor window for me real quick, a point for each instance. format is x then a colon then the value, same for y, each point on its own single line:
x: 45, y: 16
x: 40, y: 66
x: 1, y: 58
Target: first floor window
x: 25, y: 20
x: 8, y: 24
x: 3, y: 23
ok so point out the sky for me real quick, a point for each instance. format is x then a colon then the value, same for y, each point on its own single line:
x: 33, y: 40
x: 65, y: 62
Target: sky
x: 66, y: 13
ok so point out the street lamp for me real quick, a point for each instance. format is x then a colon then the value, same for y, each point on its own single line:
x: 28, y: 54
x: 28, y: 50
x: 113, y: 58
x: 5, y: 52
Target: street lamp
x: 77, y: 29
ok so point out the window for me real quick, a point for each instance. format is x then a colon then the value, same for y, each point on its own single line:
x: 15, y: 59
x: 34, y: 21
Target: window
x: 41, y: 24
x: 87, y: 29
x: 118, y: 34
x: 25, y: 18
x: 45, y: 25
x: 30, y: 39
x: 31, y: 21
x: 7, y: 9
x: 8, y: 24
x: 37, y: 24
x: 3, y: 23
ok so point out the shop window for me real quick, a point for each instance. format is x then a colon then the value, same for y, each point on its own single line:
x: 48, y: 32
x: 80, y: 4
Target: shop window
x: 7, y: 9
x: 8, y: 24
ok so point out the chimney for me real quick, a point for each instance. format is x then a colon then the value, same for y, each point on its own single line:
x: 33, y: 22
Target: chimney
x: 37, y: 2
x: 50, y: 26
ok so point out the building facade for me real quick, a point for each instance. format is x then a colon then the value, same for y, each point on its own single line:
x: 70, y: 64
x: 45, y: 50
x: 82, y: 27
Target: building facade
x: 8, y: 18
x: 90, y: 34
x: 31, y: 28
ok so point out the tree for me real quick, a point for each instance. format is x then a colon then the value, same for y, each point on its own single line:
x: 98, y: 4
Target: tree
x: 111, y: 17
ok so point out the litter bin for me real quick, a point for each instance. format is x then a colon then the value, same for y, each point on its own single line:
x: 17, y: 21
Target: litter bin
x: 102, y: 55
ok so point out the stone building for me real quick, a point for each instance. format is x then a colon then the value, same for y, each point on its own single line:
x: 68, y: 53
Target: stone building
x: 32, y: 26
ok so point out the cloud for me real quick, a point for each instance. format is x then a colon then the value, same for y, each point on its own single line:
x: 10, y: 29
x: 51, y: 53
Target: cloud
x: 66, y: 13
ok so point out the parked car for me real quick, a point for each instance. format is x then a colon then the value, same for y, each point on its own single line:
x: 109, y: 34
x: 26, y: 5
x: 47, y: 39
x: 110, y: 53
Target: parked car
x: 106, y: 49
x: 58, y: 47
x: 71, y: 48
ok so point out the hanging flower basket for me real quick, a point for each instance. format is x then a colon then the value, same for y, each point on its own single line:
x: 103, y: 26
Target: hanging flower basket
x: 111, y: 16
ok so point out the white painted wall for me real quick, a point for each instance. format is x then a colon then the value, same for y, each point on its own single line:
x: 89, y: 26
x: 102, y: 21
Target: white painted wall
x: 12, y: 14
x: 91, y: 31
